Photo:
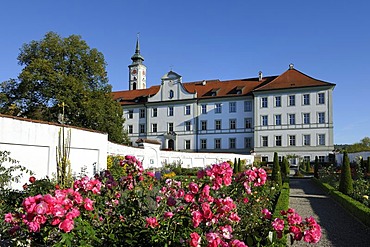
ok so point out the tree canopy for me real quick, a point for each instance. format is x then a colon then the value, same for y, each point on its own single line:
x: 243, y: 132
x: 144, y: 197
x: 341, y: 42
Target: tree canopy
x: 60, y: 70
x: 363, y: 145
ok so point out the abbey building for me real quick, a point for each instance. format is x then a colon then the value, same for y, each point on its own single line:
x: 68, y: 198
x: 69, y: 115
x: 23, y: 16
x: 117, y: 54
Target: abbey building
x: 291, y: 113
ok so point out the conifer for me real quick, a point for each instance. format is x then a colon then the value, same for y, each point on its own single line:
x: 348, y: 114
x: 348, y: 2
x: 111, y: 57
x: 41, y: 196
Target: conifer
x: 346, y: 183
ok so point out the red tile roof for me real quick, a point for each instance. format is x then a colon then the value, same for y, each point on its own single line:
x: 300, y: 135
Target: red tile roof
x: 291, y: 78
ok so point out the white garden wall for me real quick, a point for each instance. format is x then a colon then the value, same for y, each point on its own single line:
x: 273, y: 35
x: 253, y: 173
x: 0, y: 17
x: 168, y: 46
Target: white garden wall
x: 34, y: 143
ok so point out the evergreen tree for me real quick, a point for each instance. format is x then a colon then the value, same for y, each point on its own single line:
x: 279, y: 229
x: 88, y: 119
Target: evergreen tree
x: 346, y: 183
x: 368, y: 165
x: 239, y: 165
x: 286, y: 165
x: 308, y: 166
x: 276, y: 171
x: 235, y: 166
x: 316, y: 167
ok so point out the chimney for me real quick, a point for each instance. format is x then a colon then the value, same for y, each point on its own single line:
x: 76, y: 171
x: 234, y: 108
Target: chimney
x: 204, y: 82
x: 291, y: 66
x: 260, y: 76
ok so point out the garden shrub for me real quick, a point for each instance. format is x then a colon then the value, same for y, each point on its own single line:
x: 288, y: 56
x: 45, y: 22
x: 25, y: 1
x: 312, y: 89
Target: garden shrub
x: 345, y: 183
x: 316, y: 167
x: 276, y: 171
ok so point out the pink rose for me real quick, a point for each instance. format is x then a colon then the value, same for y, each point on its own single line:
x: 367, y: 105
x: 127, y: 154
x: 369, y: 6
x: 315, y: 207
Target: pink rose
x: 278, y: 224
x: 193, y: 187
x: 9, y: 218
x: 152, y: 222
x: 194, y: 239
x: 66, y: 225
x: 189, y: 198
x: 88, y: 204
x: 168, y: 214
x: 266, y: 213
x: 34, y: 227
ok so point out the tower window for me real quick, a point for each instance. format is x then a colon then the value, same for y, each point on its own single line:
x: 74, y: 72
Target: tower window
x: 170, y: 95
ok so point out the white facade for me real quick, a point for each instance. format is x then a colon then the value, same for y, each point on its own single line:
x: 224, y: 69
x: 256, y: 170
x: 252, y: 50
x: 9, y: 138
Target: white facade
x: 291, y: 114
x: 300, y: 125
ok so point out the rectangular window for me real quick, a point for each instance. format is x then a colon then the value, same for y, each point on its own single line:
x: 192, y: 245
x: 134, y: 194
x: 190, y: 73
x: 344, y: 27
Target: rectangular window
x: 291, y: 140
x: 264, y: 102
x: 217, y: 124
x: 218, y: 108
x: 187, y: 144
x: 306, y: 158
x: 322, y: 139
x: 154, y: 128
x: 248, y: 123
x: 187, y: 126
x: 217, y: 143
x: 321, y: 159
x: 142, y: 113
x: 170, y: 111
x: 154, y: 112
x: 203, y: 125
x: 232, y: 143
x: 277, y: 101
x: 321, y: 99
x: 278, y: 141
x: 291, y: 119
x: 130, y: 129
x: 247, y: 142
x: 247, y: 106
x: 264, y: 141
x: 306, y: 99
x: 170, y: 127
x: 203, y: 143
x: 321, y: 116
x: 306, y: 140
x: 187, y: 110
x: 264, y: 120
x: 204, y: 109
x: 232, y: 107
x: 306, y: 118
x: 232, y: 124
x: 131, y: 114
x: 291, y: 100
x: 278, y: 119
x: 142, y: 128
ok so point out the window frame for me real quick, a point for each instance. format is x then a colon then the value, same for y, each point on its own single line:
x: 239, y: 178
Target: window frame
x: 276, y: 101
x: 264, y: 102
x: 232, y: 107
x: 218, y: 108
x: 291, y: 100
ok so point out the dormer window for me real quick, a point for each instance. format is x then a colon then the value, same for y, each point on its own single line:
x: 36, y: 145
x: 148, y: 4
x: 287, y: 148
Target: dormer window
x: 170, y: 94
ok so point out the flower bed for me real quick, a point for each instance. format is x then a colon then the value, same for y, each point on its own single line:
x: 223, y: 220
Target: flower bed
x: 130, y: 207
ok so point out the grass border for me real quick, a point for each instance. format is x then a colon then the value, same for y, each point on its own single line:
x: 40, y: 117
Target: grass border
x: 356, y: 208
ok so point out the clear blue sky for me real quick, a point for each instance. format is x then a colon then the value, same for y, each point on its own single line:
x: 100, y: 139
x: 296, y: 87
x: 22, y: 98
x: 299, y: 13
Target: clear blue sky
x: 204, y: 39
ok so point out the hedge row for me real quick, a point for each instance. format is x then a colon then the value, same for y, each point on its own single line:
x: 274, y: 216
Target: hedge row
x: 356, y: 208
x: 282, y: 204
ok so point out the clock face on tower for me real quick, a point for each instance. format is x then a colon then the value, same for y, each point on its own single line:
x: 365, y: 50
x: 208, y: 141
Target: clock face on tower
x: 134, y: 71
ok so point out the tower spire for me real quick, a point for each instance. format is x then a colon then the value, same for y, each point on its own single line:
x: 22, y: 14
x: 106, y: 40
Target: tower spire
x: 137, y: 58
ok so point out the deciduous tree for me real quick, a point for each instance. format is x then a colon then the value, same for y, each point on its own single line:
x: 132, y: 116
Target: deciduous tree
x: 57, y: 70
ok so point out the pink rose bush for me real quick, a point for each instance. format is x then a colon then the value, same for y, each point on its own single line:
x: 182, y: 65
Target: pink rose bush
x: 215, y: 209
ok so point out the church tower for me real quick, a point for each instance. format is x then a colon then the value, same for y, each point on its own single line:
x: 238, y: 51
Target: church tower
x: 137, y: 70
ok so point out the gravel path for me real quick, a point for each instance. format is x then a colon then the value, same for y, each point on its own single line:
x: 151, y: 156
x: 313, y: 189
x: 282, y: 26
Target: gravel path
x: 339, y: 228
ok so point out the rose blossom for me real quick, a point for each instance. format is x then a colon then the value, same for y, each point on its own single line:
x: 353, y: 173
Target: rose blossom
x: 9, y: 218
x: 152, y: 222
x: 66, y: 225
x: 194, y: 239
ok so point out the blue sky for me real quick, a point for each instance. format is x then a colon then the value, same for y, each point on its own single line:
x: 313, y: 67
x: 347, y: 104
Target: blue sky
x: 328, y: 40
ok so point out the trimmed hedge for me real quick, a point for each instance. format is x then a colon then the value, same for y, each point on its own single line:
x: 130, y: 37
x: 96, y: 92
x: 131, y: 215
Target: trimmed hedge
x: 282, y: 204
x: 356, y: 208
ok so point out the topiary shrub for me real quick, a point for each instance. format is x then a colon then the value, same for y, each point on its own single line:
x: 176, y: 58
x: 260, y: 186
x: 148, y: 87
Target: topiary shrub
x: 308, y: 166
x: 346, y: 183
x: 368, y: 165
x: 276, y: 171
x: 316, y: 168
